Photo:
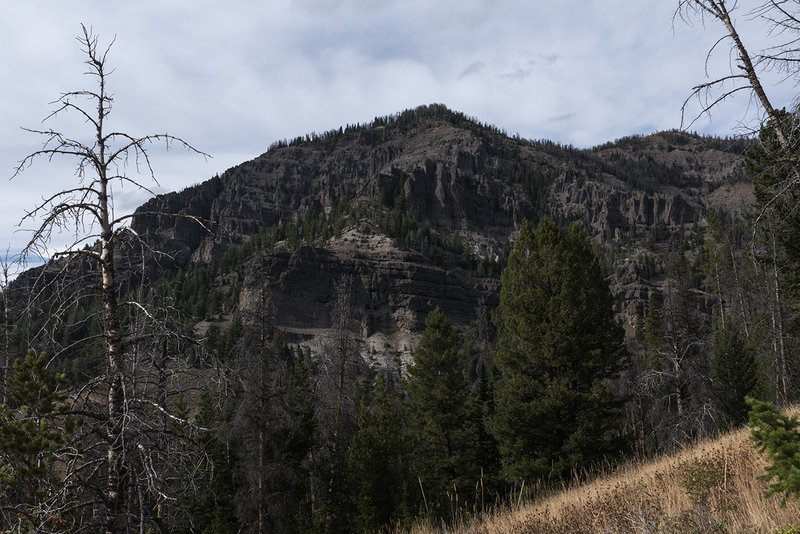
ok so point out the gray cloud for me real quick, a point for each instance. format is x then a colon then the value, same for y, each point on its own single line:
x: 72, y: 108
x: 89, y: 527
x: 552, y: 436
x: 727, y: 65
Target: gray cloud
x: 519, y: 71
x: 550, y: 58
x: 517, y: 74
x: 473, y: 68
x: 562, y: 118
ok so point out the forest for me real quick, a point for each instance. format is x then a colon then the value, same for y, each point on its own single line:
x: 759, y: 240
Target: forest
x: 125, y: 407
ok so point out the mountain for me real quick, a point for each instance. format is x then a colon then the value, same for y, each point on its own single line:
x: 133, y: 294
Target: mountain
x: 419, y: 208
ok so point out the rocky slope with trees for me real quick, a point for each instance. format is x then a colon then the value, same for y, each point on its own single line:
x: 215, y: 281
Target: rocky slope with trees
x: 421, y: 207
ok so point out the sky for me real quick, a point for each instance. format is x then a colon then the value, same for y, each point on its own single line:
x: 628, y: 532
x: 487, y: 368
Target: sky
x: 233, y: 77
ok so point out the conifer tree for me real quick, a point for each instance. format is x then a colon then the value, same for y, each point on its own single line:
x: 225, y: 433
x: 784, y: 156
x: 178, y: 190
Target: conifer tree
x: 734, y: 372
x: 486, y: 459
x: 777, y: 434
x: 776, y: 246
x: 652, y: 325
x: 274, y: 425
x: 377, y: 463
x: 29, y: 434
x: 438, y: 394
x: 558, y: 351
x: 214, y: 505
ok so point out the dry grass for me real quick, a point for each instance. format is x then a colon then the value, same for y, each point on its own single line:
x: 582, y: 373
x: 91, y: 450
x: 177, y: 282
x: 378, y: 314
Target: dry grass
x: 709, y: 487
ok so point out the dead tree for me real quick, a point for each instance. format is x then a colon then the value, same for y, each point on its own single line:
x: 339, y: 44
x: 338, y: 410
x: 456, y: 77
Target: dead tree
x: 781, y: 20
x: 749, y: 68
x: 5, y: 352
x: 104, y: 158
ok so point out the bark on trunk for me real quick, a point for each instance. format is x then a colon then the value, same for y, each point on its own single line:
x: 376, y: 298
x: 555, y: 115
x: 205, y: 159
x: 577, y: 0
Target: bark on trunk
x: 116, y: 520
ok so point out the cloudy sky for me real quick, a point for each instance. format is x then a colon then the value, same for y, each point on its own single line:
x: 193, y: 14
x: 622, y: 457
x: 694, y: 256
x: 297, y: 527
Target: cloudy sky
x: 233, y: 77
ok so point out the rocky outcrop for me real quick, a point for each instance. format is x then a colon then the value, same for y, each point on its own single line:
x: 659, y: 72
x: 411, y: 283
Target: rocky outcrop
x: 392, y: 290
x: 445, y: 173
x: 610, y: 209
x: 178, y: 223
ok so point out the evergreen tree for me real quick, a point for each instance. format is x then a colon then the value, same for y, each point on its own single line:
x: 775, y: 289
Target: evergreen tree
x: 778, y: 435
x: 438, y: 394
x: 274, y: 424
x: 213, y: 508
x: 484, y: 446
x: 734, y: 372
x: 377, y: 463
x: 558, y: 351
x: 28, y: 436
x: 776, y: 245
x: 652, y: 335
x: 652, y: 325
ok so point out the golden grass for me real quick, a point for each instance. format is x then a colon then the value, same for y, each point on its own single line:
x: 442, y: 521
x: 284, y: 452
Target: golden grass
x: 709, y: 487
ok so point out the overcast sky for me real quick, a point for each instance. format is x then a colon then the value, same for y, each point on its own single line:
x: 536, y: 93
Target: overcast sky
x: 232, y: 77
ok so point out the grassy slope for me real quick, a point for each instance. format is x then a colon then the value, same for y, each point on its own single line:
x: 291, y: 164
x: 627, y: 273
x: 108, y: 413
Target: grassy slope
x: 708, y: 487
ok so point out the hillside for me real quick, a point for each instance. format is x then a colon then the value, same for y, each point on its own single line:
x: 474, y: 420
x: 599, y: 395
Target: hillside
x: 706, y: 487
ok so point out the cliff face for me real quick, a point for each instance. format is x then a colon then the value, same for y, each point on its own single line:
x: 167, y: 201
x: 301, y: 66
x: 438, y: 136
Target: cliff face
x: 459, y: 183
x: 392, y: 290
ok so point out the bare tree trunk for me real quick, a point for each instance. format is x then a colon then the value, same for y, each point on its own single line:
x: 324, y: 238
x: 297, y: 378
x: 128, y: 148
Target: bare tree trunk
x: 88, y: 206
x: 779, y: 349
x: 677, y: 378
x: 747, y: 73
x: 5, y: 360
x: 116, y: 521
x: 718, y: 281
x: 740, y: 294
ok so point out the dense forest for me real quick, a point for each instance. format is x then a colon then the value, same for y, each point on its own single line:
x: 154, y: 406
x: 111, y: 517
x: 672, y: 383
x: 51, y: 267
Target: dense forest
x: 164, y: 390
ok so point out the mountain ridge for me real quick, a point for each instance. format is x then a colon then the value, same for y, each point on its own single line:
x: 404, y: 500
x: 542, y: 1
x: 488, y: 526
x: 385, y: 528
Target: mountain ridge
x: 443, y: 195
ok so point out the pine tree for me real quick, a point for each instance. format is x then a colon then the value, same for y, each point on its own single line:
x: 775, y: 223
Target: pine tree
x: 776, y: 246
x: 558, y: 351
x: 652, y: 335
x: 777, y: 435
x: 377, y: 465
x: 486, y: 458
x: 734, y: 372
x: 437, y: 391
x: 29, y: 433
x: 214, y: 506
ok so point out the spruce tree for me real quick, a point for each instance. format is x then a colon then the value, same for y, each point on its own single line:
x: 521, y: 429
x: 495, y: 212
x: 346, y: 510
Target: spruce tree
x: 438, y: 394
x: 777, y: 434
x: 377, y: 466
x: 734, y: 372
x: 558, y: 352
